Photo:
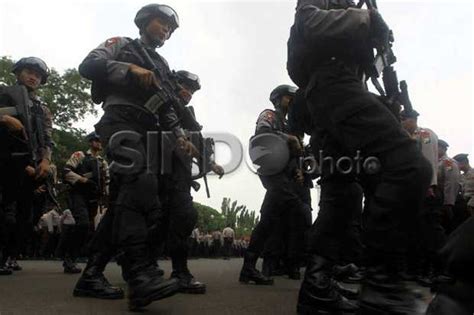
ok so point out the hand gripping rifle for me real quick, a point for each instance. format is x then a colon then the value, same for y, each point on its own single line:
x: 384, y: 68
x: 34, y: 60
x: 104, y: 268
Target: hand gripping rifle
x: 23, y: 111
x: 166, y: 94
x: 394, y: 92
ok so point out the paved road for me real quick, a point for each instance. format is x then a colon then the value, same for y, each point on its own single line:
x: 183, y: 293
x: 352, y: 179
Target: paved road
x: 42, y: 288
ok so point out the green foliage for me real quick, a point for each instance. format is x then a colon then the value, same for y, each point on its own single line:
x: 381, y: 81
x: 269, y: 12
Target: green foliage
x: 209, y: 219
x: 238, y: 217
x: 241, y: 219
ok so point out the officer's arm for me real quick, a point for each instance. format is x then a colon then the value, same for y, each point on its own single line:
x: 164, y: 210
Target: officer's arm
x: 101, y: 63
x: 317, y: 24
x: 69, y: 175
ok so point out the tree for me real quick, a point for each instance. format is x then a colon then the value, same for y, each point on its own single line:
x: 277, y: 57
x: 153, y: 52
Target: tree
x: 238, y: 217
x: 209, y: 219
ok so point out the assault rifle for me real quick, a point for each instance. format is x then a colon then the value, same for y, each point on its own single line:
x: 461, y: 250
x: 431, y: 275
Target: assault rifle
x: 394, y: 92
x: 166, y: 94
x: 22, y: 110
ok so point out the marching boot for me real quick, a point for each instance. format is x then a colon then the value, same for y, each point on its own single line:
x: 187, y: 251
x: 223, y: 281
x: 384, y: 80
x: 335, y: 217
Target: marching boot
x: 4, y: 271
x: 318, y: 294
x: 70, y: 267
x: 348, y: 293
x: 292, y: 269
x: 12, y: 264
x: 250, y: 273
x: 187, y: 283
x: 145, y: 285
x: 93, y: 283
x: 383, y: 293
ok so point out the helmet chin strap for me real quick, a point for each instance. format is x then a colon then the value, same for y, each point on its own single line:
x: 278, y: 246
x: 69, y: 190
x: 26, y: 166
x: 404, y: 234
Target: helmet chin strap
x: 155, y: 43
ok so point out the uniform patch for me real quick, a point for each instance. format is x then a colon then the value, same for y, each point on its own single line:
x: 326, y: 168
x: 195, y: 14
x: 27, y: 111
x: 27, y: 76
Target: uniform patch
x: 269, y: 116
x: 425, y: 136
x: 448, y: 164
x: 78, y: 154
x: 111, y: 41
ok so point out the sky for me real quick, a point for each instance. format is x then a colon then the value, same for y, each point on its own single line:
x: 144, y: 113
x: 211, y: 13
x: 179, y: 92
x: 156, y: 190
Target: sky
x: 238, y: 48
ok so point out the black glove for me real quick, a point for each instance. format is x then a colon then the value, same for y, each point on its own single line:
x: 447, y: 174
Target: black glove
x: 379, y: 30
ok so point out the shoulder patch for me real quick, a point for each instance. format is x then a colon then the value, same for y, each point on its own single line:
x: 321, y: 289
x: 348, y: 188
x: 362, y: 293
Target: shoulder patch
x: 78, y: 154
x: 448, y: 164
x: 268, y: 115
x: 111, y: 41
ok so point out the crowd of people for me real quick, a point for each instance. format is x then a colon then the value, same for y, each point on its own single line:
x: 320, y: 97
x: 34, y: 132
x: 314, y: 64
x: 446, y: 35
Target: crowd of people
x: 378, y: 228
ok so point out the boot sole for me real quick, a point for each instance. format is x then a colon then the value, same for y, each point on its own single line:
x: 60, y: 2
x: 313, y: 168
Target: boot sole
x: 246, y: 280
x: 308, y: 310
x: 85, y: 293
x: 193, y: 291
x: 136, y: 304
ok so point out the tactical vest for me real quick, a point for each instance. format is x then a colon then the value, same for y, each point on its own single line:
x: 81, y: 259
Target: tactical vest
x: 129, y: 54
x: 90, y: 164
x: 37, y: 116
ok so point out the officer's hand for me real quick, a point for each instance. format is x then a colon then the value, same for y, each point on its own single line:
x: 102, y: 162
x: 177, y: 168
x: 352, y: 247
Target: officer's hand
x: 299, y: 177
x: 430, y: 193
x: 41, y: 189
x: 379, y: 29
x: 295, y: 146
x: 11, y: 123
x: 43, y: 169
x: 187, y: 146
x: 83, y: 180
x: 145, y: 77
x: 219, y: 170
x: 30, y: 171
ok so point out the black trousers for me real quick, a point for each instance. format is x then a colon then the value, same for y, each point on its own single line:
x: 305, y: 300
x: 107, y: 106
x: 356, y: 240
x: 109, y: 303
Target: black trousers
x: 358, y: 123
x: 280, y: 200
x: 134, y: 207
x: 179, y: 215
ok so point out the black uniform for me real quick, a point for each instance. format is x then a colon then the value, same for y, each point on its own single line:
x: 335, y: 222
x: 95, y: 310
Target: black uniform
x: 135, y: 208
x: 17, y: 199
x: 328, y: 43
x: 280, y: 197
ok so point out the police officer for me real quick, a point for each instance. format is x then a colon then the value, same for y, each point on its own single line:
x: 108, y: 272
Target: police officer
x: 177, y: 200
x: 467, y: 180
x: 328, y: 43
x: 449, y: 180
x: 123, y: 81
x: 22, y: 175
x: 280, y: 196
x: 86, y: 173
x: 426, y: 232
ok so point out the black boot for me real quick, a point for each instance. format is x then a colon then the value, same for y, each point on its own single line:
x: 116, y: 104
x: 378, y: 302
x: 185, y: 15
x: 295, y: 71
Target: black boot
x: 250, y: 273
x: 13, y: 265
x: 70, y: 267
x: 145, y: 285
x: 318, y: 294
x: 4, y: 271
x: 292, y: 269
x: 93, y: 283
x: 187, y: 283
x: 348, y: 293
x: 383, y: 293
